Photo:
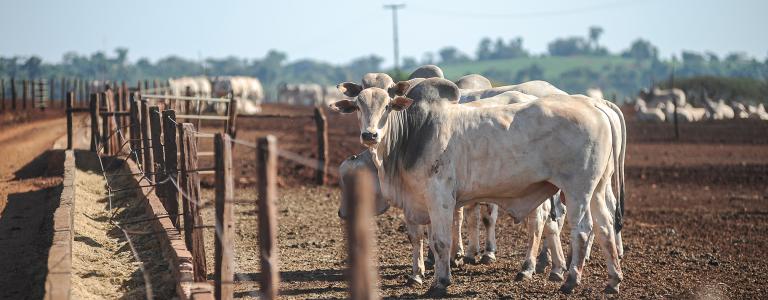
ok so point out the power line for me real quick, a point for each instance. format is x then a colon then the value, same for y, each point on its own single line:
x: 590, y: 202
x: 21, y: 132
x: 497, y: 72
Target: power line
x: 533, y: 14
x: 394, y: 8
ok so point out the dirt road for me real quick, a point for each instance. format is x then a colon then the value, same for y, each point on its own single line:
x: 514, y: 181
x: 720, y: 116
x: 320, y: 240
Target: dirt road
x: 30, y: 178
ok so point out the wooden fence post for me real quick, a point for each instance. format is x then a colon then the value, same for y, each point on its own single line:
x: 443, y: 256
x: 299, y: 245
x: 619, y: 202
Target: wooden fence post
x: 157, y: 151
x: 135, y: 131
x: 232, y: 114
x: 2, y: 97
x: 24, y: 94
x: 225, y: 219
x: 266, y: 157
x: 32, y: 94
x: 105, y: 126
x: 148, y: 166
x: 94, y: 107
x: 362, y: 276
x: 14, y: 94
x: 70, y: 99
x: 50, y: 93
x: 190, y: 184
x: 322, y: 146
x: 171, y: 166
x: 63, y: 93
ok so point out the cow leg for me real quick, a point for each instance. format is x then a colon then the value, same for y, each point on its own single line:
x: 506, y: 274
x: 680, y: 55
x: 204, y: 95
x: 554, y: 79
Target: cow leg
x: 535, y: 225
x: 607, y: 239
x: 489, y: 221
x: 416, y: 237
x: 441, y: 211
x: 542, y: 261
x: 611, y: 201
x: 457, y: 247
x: 552, y: 240
x: 588, y: 252
x: 473, y: 233
x: 580, y: 221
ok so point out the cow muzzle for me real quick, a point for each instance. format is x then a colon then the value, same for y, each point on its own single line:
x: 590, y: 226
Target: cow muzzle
x: 369, y: 138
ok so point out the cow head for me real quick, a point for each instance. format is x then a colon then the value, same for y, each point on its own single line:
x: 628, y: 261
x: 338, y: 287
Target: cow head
x: 373, y: 106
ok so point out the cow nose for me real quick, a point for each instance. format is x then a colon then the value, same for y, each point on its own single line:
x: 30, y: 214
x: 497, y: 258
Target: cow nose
x: 369, y: 136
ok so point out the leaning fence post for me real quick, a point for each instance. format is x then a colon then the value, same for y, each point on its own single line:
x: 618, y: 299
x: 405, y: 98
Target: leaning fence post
x: 266, y: 157
x: 94, y: 107
x: 322, y: 146
x: 14, y: 94
x: 135, y: 131
x: 171, y: 167
x: 190, y: 184
x: 148, y: 166
x: 362, y: 275
x: 106, y: 133
x: 70, y: 99
x: 232, y: 114
x: 24, y: 94
x: 224, y: 241
x: 2, y: 97
x: 157, y: 151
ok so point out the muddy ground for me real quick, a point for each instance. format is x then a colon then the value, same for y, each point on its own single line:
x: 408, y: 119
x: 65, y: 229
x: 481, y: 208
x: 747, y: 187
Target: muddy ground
x: 696, y: 219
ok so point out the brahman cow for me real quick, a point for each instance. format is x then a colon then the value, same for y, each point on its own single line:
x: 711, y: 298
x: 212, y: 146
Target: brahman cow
x: 247, y: 90
x: 435, y: 156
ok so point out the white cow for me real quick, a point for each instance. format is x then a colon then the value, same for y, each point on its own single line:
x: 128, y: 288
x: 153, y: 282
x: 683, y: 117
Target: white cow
x: 595, y: 93
x: 646, y: 114
x: 247, y: 90
x: 757, y: 112
x: 436, y: 156
x: 739, y: 110
x: 718, y: 110
x: 300, y: 94
x: 658, y: 96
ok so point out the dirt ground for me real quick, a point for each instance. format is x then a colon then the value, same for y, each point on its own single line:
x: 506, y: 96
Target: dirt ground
x: 30, y: 185
x: 696, y: 219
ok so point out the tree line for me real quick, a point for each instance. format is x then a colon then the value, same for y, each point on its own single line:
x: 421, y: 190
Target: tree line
x: 644, y: 65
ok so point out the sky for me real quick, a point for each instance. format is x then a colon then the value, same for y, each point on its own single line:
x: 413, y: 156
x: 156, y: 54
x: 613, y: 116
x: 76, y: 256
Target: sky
x: 339, y: 31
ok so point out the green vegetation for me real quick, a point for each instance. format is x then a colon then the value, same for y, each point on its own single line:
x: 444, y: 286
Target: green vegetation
x: 573, y: 64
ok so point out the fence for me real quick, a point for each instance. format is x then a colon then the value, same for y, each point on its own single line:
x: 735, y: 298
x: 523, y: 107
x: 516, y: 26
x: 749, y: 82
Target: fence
x: 165, y: 151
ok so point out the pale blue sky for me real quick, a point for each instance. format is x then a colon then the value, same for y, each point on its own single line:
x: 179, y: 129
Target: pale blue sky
x: 337, y: 31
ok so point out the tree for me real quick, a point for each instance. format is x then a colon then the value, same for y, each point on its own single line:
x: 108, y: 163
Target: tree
x: 568, y: 47
x: 409, y: 63
x: 641, y: 50
x: 594, y: 35
x: 484, y: 51
x: 451, y: 55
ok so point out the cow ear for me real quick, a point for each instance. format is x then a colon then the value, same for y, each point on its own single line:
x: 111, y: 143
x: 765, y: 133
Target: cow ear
x: 350, y: 89
x: 400, y: 103
x: 344, y: 106
x: 400, y: 88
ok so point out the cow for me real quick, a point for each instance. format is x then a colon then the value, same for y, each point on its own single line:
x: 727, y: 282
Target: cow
x: 473, y: 82
x: 594, y: 93
x: 247, y: 90
x: 430, y: 154
x: 427, y: 71
x: 538, y: 88
x: 718, y: 110
x: 645, y: 114
x: 656, y: 96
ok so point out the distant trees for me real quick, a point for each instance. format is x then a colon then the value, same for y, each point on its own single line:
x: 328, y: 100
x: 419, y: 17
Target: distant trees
x: 487, y: 50
x: 452, y: 55
x: 641, y: 50
x: 576, y: 45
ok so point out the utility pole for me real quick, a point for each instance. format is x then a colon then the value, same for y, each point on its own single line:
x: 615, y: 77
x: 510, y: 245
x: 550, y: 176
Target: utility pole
x: 394, y: 8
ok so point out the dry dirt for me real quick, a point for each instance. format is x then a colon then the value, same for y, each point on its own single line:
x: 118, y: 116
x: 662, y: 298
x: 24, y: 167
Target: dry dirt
x: 696, y: 220
x: 103, y: 264
x: 30, y: 185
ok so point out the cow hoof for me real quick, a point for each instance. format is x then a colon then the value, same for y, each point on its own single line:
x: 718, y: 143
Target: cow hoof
x: 488, y: 258
x: 555, y: 276
x: 569, y: 284
x: 415, y: 280
x: 523, y: 276
x: 436, y: 291
x: 609, y: 289
x: 470, y: 260
x: 457, y: 262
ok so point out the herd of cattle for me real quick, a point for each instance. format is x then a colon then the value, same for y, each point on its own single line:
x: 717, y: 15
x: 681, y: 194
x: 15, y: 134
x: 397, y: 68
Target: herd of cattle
x: 658, y: 105
x: 441, y: 149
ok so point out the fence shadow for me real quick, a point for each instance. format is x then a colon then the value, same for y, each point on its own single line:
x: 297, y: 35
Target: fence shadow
x: 26, y: 229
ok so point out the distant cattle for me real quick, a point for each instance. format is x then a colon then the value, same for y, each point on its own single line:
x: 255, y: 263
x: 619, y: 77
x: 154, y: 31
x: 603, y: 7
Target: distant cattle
x: 247, y: 90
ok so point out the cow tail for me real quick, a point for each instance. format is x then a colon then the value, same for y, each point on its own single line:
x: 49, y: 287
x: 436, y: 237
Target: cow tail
x: 619, y: 172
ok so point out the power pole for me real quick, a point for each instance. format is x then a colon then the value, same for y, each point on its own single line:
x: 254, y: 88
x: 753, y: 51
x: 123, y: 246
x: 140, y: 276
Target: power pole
x: 394, y: 8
